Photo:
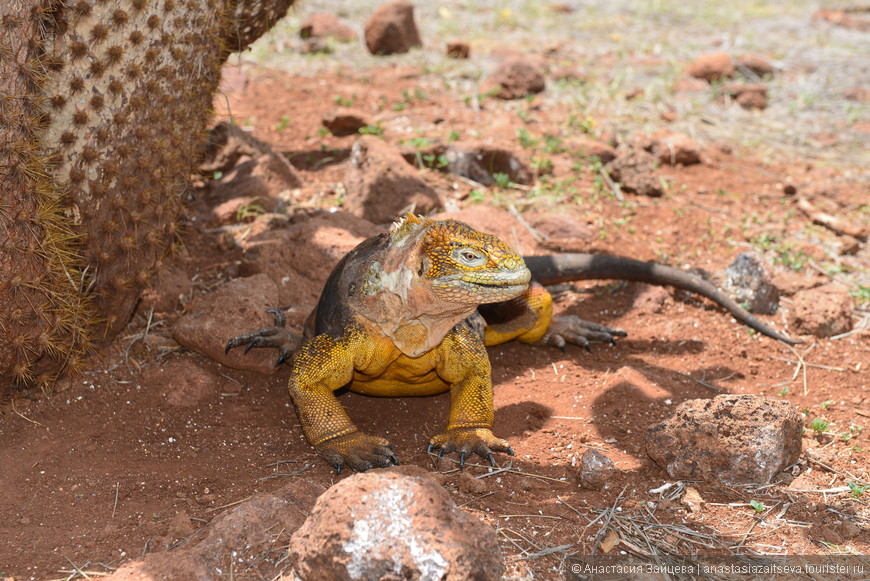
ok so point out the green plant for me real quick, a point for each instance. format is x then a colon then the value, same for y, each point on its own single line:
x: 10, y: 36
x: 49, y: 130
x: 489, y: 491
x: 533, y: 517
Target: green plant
x: 525, y: 140
x: 375, y: 129
x: 757, y: 505
x: 599, y: 187
x: 784, y: 254
x: 783, y: 392
x: 820, y: 425
x: 419, y: 142
x: 481, y: 97
x: 454, y: 136
x: 853, y: 431
x: 502, y: 180
x: 793, y: 260
x: 584, y: 124
x: 857, y: 490
x: 250, y: 209
x: 542, y: 164
x: 553, y: 144
x: 476, y: 196
x: 283, y: 123
x: 435, y: 161
x: 861, y: 293
x: 344, y: 101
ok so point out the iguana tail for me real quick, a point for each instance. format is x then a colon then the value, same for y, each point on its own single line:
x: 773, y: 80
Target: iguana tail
x: 558, y: 268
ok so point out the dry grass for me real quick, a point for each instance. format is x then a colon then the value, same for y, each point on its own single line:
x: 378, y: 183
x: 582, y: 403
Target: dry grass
x: 620, y: 46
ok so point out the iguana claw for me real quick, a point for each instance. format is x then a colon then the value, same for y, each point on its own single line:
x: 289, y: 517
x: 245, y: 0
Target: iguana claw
x: 280, y: 318
x: 468, y: 441
x: 359, y: 451
x: 566, y: 329
x: 277, y: 337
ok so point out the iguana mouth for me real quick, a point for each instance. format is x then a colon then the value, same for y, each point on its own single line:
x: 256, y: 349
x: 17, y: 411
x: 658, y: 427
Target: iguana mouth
x: 494, y: 285
x: 517, y: 278
x: 480, y: 292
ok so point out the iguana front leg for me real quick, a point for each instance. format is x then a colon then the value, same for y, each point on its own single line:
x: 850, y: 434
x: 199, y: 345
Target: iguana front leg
x: 321, y: 366
x: 465, y: 366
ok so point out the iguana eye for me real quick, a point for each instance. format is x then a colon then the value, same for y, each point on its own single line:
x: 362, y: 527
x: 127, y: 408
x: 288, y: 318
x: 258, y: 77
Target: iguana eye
x: 469, y: 257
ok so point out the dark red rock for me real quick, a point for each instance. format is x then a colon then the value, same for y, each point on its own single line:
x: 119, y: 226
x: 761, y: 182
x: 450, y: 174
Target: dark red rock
x: 515, y: 78
x: 822, y: 312
x: 392, y: 30
x: 481, y: 161
x: 248, y: 528
x: 711, y: 67
x: 384, y: 524
x: 588, y: 147
x: 381, y: 184
x: 636, y: 173
x: 458, y: 50
x: 758, y: 64
x: 326, y: 25
x: 245, y: 171
x: 676, y: 149
x: 239, y: 306
x: 343, y: 122
x: 747, y: 95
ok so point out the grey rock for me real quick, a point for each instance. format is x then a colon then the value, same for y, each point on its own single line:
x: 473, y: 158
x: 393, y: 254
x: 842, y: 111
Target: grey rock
x: 739, y: 439
x: 747, y: 281
x: 595, y: 469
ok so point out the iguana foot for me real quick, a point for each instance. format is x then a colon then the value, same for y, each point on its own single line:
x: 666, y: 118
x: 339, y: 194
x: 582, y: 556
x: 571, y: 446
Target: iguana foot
x: 566, y: 329
x: 469, y: 441
x: 358, y: 451
x: 277, y: 337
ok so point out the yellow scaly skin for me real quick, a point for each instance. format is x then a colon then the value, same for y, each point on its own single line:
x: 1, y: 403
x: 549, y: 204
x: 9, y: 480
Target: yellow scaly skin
x: 392, y: 321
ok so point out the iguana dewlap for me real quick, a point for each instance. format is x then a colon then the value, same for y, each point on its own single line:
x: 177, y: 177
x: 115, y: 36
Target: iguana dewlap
x: 399, y: 317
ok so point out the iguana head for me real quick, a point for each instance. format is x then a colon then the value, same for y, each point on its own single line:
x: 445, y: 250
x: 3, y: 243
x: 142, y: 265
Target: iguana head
x: 459, y: 263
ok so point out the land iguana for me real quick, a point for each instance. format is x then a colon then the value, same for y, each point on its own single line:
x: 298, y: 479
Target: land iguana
x: 411, y: 311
